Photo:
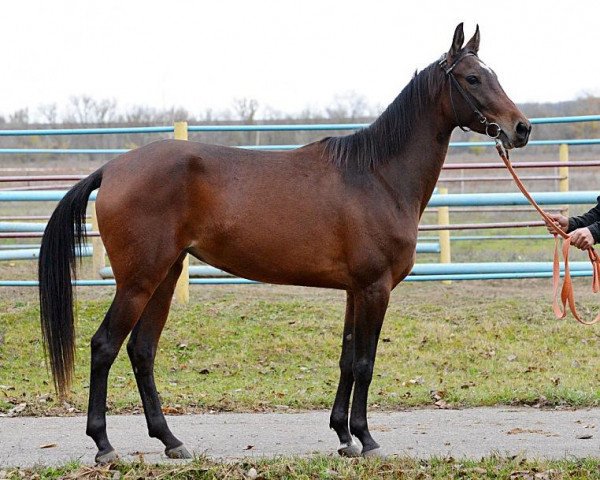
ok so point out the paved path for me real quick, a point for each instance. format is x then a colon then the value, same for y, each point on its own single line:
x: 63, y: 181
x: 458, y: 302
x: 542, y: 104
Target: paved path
x: 471, y: 433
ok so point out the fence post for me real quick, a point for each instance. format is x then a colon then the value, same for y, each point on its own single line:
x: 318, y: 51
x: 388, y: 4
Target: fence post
x: 563, y: 173
x: 97, y: 246
x: 444, y: 235
x: 182, y: 289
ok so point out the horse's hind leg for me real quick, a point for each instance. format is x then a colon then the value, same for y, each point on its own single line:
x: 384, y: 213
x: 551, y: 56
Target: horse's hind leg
x: 339, y: 413
x: 127, y: 306
x: 142, y: 347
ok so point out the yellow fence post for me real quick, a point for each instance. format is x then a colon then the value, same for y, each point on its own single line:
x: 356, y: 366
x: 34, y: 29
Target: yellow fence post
x: 563, y: 173
x: 182, y: 289
x: 97, y: 246
x: 444, y: 235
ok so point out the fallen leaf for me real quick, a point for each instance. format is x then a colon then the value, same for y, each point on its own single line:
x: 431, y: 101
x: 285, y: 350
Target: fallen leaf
x: 249, y: 447
x: 16, y: 409
x: 171, y: 410
x: 416, y: 381
x: 437, y: 394
x: 585, y: 436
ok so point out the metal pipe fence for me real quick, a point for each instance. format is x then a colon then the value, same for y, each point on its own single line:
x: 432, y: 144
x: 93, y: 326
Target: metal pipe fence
x: 246, y: 128
x: 441, y: 202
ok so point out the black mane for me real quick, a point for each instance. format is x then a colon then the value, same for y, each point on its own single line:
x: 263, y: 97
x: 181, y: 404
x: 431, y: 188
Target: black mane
x: 386, y: 137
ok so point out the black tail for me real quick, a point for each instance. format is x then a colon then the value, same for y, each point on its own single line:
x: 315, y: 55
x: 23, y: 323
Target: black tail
x: 63, y: 238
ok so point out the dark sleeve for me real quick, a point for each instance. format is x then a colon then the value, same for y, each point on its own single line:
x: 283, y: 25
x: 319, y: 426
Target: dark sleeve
x: 595, y: 231
x: 589, y: 219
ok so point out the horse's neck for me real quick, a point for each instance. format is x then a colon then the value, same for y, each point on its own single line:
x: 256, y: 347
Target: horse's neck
x: 414, y: 173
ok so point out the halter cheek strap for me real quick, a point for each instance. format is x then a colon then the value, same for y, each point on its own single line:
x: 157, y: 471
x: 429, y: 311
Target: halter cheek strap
x: 492, y: 129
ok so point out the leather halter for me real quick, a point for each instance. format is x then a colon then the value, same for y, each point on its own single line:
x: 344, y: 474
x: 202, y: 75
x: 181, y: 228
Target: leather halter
x: 492, y: 129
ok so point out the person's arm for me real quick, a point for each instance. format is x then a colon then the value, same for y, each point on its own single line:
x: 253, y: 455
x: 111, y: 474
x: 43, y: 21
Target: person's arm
x: 584, y: 229
x: 589, y: 219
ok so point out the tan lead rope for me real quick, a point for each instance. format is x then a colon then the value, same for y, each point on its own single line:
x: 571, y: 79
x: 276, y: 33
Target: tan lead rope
x: 566, y: 294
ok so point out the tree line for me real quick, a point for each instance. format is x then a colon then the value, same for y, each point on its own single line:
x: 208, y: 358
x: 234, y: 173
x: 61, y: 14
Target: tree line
x: 85, y: 111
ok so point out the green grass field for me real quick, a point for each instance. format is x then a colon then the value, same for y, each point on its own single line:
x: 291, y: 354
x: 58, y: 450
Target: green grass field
x: 252, y: 348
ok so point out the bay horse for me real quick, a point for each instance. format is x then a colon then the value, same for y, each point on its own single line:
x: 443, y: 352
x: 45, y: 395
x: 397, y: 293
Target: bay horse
x: 338, y: 213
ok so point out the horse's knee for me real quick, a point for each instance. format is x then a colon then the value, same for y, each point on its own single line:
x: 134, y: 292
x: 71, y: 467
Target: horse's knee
x: 345, y: 363
x: 363, y: 371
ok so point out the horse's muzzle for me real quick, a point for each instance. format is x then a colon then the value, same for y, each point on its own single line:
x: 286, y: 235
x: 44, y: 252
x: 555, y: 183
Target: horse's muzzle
x: 522, y: 131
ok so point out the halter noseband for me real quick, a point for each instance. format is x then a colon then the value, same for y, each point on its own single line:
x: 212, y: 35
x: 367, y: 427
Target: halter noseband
x: 443, y: 63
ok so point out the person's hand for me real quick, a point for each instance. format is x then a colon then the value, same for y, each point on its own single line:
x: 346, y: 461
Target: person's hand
x: 558, y: 221
x: 582, y: 238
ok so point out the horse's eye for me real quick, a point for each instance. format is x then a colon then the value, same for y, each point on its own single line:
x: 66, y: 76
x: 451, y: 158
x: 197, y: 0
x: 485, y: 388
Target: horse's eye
x: 472, y: 79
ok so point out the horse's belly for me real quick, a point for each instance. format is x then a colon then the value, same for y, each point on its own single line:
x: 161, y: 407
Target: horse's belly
x: 287, y: 266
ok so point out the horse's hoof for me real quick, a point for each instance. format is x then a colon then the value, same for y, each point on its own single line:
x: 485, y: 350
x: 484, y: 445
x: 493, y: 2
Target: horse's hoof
x: 108, y: 457
x: 349, y: 449
x: 178, y: 452
x: 374, y: 453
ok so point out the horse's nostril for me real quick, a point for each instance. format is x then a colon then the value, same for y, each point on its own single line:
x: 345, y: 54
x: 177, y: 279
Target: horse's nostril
x: 523, y: 130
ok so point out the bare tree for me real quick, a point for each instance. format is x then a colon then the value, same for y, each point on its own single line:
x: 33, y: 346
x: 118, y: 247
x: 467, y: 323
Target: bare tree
x: 49, y: 113
x: 245, y: 108
x: 348, y: 106
x: 86, y: 110
x: 19, y: 117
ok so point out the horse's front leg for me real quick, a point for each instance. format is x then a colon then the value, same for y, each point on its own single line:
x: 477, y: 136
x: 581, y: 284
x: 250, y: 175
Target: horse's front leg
x: 370, y: 305
x: 339, y: 413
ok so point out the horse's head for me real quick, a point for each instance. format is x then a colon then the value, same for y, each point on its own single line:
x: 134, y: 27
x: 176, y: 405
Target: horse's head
x: 475, y: 98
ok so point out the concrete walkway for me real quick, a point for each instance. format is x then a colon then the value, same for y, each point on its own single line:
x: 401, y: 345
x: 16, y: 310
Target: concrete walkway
x: 471, y: 433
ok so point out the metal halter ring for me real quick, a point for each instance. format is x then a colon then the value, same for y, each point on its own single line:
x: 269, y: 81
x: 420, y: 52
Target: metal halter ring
x: 487, y: 130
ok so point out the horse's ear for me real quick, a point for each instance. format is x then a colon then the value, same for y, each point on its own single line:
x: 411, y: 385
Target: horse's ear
x: 473, y: 44
x: 457, y: 41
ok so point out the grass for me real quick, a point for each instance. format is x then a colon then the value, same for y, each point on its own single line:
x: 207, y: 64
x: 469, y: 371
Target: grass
x: 276, y: 348
x: 322, y: 467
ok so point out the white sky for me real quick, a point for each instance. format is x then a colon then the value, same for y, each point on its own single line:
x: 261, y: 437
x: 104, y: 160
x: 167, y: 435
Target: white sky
x: 286, y: 54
